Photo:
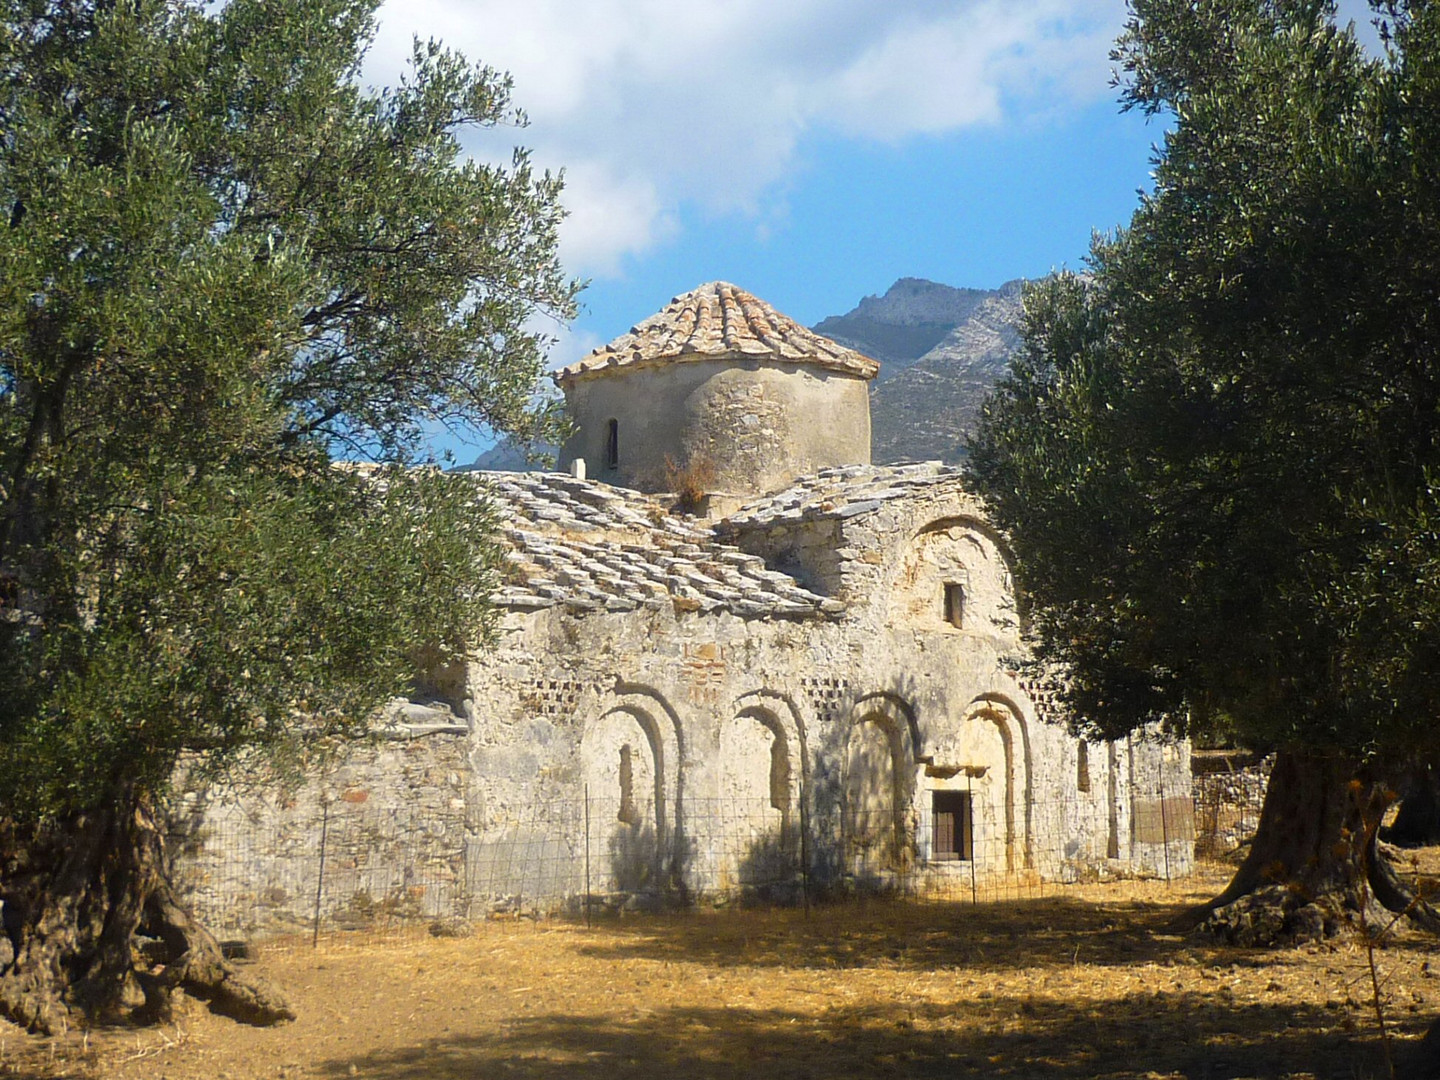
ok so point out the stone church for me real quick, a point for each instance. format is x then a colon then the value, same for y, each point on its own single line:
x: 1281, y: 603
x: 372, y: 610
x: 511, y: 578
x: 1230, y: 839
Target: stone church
x: 734, y: 656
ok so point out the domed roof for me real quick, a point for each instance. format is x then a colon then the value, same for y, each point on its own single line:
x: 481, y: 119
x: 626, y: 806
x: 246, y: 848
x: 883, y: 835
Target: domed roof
x: 719, y: 321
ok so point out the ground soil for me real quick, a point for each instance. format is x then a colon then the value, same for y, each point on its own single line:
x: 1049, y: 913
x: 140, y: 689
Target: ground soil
x: 1086, y: 982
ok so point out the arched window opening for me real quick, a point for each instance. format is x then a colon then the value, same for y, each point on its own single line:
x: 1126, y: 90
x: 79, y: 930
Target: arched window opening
x: 612, y: 444
x: 1082, y: 766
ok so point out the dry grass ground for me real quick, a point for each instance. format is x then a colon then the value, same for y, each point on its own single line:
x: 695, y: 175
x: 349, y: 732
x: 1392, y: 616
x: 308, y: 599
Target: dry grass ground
x: 1082, y: 984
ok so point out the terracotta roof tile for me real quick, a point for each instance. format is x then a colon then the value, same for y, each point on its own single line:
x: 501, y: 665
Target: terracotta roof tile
x: 719, y: 321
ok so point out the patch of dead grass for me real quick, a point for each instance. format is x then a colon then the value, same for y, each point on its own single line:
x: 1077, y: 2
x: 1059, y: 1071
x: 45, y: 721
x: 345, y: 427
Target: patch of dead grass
x: 1088, y: 983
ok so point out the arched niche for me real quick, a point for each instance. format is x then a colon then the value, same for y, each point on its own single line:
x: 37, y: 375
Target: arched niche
x: 995, y: 724
x: 629, y: 758
x: 761, y: 780
x: 955, y: 576
x: 762, y: 753
x: 878, y: 783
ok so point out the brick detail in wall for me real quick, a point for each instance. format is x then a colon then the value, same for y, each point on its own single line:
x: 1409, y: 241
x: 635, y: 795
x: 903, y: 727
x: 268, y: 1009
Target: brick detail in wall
x: 1044, y: 693
x: 828, y: 695
x: 556, y: 698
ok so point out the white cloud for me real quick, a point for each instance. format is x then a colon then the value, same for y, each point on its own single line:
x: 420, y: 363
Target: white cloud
x: 612, y: 214
x: 979, y: 63
x: 650, y: 105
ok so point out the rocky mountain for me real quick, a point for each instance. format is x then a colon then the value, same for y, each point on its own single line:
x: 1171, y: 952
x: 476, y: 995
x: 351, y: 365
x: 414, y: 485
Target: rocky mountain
x: 912, y: 318
x: 926, y: 409
x: 509, y: 456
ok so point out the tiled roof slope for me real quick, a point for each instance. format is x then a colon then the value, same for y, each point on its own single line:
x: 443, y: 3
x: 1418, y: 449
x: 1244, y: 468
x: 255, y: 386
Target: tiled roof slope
x: 586, y: 546
x: 844, y: 492
x: 719, y: 321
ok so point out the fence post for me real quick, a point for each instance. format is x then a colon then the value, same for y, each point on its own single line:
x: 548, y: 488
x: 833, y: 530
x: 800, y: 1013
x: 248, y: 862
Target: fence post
x: 320, y: 871
x: 587, y: 856
x: 804, y: 851
x: 1164, y: 826
x: 466, y: 896
x: 970, y: 829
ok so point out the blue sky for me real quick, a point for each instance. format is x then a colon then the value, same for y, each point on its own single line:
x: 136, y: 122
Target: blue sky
x: 976, y: 208
x: 811, y: 151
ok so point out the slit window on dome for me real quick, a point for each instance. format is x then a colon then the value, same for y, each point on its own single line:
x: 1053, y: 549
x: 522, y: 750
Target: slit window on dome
x: 612, y: 444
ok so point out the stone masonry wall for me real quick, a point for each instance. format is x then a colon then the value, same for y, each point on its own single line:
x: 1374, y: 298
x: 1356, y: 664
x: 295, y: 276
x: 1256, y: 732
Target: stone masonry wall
x: 669, y: 753
x: 758, y: 425
x: 1229, y: 792
x: 390, y: 817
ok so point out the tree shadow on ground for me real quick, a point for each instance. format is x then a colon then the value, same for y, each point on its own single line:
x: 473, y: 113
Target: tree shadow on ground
x: 1135, y: 1018
x: 1008, y: 936
x: 1186, y: 1035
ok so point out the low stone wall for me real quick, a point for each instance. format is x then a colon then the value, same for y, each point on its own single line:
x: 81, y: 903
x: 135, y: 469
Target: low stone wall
x: 378, y: 836
x: 1229, y: 792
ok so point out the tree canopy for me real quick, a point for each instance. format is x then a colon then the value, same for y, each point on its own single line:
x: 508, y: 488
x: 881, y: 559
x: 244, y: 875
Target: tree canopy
x: 1219, y: 454
x: 224, y: 264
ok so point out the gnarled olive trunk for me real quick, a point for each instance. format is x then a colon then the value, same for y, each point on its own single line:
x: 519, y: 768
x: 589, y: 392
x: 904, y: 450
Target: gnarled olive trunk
x: 81, y: 898
x: 1314, y: 863
x: 1418, y: 822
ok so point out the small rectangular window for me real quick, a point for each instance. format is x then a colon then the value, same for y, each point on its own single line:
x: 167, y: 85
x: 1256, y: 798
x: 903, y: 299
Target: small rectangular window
x: 954, y: 828
x: 1082, y: 766
x: 954, y: 604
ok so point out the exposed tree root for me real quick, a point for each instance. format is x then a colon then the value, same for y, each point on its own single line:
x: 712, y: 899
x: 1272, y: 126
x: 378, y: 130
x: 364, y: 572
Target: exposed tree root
x: 1398, y: 897
x: 1275, y: 915
x: 197, y: 965
x: 76, y: 897
x: 1254, y: 913
x: 1314, y: 862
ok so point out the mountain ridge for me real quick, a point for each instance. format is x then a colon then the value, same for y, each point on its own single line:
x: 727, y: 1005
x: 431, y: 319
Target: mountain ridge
x: 941, y: 351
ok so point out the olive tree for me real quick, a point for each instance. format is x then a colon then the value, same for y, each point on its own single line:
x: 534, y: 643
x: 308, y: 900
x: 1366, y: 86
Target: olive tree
x: 1219, y: 454
x: 224, y: 265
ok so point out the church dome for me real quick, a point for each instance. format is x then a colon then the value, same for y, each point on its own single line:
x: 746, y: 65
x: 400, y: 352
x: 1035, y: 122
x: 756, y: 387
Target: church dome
x: 721, y: 391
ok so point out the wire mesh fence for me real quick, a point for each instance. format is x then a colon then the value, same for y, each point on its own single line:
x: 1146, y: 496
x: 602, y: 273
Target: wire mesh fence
x: 368, y: 870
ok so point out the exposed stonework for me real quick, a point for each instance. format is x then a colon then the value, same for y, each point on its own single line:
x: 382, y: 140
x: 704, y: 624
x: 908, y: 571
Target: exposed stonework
x: 392, y: 820
x: 826, y: 685
x: 1229, y: 792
